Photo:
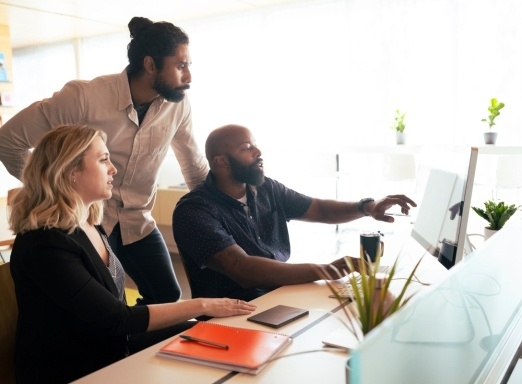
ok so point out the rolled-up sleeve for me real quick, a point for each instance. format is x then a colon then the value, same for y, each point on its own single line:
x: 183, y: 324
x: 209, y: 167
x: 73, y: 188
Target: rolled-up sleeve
x: 193, y: 165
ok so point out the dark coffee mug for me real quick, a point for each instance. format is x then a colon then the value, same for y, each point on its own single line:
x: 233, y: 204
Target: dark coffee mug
x: 371, y: 245
x: 448, y: 251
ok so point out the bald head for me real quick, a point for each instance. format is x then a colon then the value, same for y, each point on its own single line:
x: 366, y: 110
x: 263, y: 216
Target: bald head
x: 234, y: 159
x: 221, y: 141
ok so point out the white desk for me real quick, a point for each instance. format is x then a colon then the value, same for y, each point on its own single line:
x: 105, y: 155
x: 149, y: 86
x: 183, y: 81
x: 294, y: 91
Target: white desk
x: 316, y: 367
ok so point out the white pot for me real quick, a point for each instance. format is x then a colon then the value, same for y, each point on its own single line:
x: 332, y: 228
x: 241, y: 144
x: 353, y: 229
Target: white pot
x: 490, y: 137
x: 488, y: 232
x: 400, y: 137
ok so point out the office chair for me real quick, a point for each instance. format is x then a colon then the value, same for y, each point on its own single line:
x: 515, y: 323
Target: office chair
x: 185, y: 268
x: 8, y: 319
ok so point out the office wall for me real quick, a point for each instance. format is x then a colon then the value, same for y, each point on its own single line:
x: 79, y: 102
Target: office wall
x: 317, y: 76
x: 6, y: 85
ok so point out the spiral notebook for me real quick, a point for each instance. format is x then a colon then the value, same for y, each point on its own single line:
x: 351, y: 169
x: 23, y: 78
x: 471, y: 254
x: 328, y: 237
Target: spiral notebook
x: 231, y: 348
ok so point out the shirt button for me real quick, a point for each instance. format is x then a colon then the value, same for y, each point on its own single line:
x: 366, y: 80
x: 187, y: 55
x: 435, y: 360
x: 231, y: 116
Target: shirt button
x: 259, y: 237
x: 250, y: 217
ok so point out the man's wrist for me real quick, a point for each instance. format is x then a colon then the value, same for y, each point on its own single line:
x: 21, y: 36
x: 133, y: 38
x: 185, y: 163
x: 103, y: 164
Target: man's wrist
x: 362, y: 203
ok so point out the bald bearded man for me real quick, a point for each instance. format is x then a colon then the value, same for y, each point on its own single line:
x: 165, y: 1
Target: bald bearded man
x: 231, y: 231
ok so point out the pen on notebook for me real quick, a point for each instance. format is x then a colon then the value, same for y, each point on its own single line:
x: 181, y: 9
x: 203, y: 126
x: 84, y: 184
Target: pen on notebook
x: 201, y: 341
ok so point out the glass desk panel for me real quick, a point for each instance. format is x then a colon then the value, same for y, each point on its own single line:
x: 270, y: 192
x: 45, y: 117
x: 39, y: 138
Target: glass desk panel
x: 463, y: 330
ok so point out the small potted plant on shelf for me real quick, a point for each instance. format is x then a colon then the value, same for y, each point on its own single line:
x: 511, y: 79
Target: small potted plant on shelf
x: 398, y: 126
x: 494, y: 108
x: 496, y: 214
x: 374, y: 302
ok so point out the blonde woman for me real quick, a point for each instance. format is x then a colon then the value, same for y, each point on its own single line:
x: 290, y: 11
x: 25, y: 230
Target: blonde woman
x: 73, y: 318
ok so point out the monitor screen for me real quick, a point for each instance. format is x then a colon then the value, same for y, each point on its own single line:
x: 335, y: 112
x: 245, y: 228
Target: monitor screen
x: 442, y: 218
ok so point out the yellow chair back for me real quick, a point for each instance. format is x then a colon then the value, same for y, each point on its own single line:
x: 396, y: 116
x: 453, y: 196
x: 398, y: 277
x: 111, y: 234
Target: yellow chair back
x: 8, y: 318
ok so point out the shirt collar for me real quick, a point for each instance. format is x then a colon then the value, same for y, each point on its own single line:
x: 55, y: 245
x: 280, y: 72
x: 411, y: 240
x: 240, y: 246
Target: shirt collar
x: 124, y: 93
x: 210, y: 182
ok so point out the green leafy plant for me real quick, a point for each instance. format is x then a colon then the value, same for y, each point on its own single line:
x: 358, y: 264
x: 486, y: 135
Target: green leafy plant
x: 398, y: 121
x: 374, y: 301
x: 494, y: 110
x: 496, y: 213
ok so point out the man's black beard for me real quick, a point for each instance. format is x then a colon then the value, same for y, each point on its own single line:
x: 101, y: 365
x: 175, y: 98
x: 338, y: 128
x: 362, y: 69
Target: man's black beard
x: 169, y: 93
x: 250, y: 174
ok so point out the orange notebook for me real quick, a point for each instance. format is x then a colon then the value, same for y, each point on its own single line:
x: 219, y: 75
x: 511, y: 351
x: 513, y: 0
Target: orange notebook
x: 236, y: 349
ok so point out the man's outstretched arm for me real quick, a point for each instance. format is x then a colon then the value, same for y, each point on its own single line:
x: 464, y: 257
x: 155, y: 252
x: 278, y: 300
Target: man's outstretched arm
x: 337, y: 212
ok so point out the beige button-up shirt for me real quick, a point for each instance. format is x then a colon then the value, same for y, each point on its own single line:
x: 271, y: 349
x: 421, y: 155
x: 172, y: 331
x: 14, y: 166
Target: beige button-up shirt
x: 137, y: 151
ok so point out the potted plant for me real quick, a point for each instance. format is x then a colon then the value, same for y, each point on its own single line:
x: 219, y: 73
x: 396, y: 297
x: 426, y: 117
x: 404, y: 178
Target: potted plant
x: 494, y: 108
x: 496, y: 214
x: 399, y: 126
x: 374, y: 302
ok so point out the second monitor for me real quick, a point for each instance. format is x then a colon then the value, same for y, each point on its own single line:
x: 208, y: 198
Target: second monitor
x: 442, y: 219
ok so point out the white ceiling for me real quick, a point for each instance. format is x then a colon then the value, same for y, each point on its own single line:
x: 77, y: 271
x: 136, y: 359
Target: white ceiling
x: 34, y: 22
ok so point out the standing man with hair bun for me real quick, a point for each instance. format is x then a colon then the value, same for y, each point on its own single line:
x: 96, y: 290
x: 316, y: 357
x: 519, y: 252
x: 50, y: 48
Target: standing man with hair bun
x: 143, y: 110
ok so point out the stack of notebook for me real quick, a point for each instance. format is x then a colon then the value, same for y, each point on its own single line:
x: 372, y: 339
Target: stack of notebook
x: 231, y: 348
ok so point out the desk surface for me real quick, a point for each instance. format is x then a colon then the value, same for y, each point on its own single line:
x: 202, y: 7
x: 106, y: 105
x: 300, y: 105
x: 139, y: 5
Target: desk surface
x: 311, y: 363
x: 146, y: 367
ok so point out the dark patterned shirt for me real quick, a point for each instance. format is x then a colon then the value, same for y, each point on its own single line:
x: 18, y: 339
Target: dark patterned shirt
x: 206, y: 221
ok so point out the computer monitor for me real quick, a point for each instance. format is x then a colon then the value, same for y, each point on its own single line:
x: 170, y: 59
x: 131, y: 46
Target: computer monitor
x: 442, y: 219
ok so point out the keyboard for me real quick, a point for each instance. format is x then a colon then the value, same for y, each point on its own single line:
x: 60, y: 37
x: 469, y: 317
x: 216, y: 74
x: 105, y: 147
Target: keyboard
x: 345, y: 290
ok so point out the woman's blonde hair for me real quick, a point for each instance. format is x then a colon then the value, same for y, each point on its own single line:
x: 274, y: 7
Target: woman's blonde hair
x: 47, y: 198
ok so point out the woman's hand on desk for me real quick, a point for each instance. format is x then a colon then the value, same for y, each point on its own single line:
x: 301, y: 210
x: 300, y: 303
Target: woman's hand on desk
x: 168, y: 314
x: 223, y: 307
